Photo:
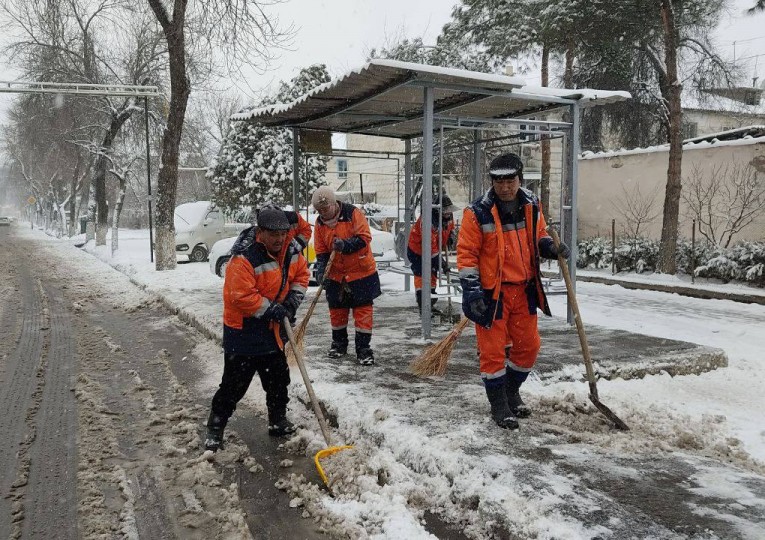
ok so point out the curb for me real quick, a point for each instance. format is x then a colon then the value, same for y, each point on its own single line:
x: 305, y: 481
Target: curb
x: 683, y: 291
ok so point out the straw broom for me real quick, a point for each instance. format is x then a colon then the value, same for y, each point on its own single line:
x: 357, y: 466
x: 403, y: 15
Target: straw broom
x: 300, y: 329
x: 433, y: 360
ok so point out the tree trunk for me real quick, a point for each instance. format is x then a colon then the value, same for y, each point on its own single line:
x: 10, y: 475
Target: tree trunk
x: 544, y: 181
x: 119, y: 118
x: 116, y: 215
x: 671, y: 93
x: 167, y: 179
x: 568, y: 74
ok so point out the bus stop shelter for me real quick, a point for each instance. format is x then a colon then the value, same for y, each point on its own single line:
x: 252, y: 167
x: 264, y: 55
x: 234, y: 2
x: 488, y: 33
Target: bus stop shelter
x: 387, y: 98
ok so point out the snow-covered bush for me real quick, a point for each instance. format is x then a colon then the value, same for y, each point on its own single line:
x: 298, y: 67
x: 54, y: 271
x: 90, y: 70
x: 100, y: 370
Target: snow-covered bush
x: 636, y: 254
x: 254, y: 164
x: 744, y: 261
x: 594, y: 252
x: 704, y: 251
x: 371, y: 208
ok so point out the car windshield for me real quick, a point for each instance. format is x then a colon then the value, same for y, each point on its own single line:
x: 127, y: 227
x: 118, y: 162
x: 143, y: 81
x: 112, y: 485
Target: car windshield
x: 189, y: 214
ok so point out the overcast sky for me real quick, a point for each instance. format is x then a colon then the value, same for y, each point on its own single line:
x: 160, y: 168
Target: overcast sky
x: 340, y: 33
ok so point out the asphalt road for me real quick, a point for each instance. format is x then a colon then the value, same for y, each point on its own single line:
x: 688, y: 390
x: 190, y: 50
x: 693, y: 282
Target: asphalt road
x: 100, y: 421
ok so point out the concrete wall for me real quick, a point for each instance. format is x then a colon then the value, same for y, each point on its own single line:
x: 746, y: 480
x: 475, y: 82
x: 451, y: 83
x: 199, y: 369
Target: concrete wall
x: 603, y: 180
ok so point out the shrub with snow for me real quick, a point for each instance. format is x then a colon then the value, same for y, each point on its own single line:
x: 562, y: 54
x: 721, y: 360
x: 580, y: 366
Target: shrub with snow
x: 254, y: 164
x: 744, y: 261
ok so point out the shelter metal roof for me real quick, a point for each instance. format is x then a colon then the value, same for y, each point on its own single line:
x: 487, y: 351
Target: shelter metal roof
x: 385, y: 98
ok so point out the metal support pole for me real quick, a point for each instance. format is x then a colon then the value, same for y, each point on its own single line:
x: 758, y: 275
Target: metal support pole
x: 361, y: 187
x: 613, y: 247
x: 476, y: 187
x: 295, y: 169
x: 573, y: 188
x: 148, y: 178
x: 307, y: 189
x: 427, y: 205
x: 693, y: 252
x: 407, y: 206
x: 441, y: 192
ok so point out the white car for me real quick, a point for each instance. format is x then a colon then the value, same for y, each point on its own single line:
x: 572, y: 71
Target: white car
x: 5, y: 221
x: 383, y: 249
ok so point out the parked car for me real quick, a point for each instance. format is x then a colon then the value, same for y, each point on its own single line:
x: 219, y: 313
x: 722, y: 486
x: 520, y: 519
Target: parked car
x: 5, y: 221
x: 383, y: 249
x: 198, y: 226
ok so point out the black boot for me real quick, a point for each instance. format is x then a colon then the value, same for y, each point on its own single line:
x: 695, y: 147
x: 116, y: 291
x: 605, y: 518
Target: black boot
x: 512, y: 386
x: 215, y: 426
x: 418, y: 296
x: 500, y: 411
x: 339, y: 347
x: 364, y: 354
x: 281, y: 428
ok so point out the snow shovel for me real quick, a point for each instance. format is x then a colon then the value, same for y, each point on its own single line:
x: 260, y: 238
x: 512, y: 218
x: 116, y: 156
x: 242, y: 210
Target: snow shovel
x: 316, y: 408
x: 608, y: 413
x: 301, y: 327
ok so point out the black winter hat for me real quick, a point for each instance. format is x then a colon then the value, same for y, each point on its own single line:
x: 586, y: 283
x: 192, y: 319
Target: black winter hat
x: 273, y: 218
x: 505, y: 166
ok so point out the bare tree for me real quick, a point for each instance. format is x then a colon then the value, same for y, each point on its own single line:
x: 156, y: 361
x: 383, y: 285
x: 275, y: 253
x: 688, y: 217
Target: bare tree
x: 725, y: 201
x: 637, y: 209
x: 244, y: 35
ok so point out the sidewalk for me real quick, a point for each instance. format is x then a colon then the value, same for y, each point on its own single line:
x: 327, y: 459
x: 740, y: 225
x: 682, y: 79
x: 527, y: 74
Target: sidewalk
x: 671, y: 284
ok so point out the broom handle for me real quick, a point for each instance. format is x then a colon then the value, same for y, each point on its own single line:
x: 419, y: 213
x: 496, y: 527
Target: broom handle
x: 577, y: 316
x: 307, y: 381
x: 315, y: 300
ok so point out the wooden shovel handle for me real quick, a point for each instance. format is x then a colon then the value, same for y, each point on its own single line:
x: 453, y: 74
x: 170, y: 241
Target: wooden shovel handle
x: 307, y: 381
x: 577, y: 316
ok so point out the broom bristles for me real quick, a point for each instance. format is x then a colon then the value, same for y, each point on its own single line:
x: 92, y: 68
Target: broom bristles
x: 434, y: 359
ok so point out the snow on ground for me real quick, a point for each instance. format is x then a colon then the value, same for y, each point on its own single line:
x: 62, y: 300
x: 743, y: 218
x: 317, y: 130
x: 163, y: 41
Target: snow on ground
x: 722, y: 406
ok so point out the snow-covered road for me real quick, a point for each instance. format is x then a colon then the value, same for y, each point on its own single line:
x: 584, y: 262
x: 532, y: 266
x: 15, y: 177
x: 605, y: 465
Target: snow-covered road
x: 692, y: 466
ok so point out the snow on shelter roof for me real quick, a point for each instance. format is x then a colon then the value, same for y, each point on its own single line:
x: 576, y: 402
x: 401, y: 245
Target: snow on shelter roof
x: 385, y: 98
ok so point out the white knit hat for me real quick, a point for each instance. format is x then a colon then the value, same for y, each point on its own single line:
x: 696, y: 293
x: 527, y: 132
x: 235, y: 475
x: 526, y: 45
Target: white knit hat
x: 323, y: 196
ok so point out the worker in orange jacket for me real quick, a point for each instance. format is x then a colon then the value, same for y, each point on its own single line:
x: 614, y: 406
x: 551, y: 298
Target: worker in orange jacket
x: 414, y: 248
x: 353, y: 282
x: 300, y: 230
x: 265, y: 282
x: 502, y: 237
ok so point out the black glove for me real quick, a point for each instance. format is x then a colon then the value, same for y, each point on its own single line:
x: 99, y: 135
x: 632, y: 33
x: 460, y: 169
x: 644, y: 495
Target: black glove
x: 275, y: 312
x: 548, y: 250
x: 292, y: 303
x: 338, y: 244
x: 444, y: 266
x: 320, y: 265
x: 479, y: 306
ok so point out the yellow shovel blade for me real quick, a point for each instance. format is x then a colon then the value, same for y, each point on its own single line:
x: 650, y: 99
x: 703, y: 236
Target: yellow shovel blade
x: 324, y: 453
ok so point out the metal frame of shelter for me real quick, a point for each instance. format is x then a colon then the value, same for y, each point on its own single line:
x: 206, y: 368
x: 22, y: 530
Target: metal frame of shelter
x: 406, y: 101
x: 86, y: 89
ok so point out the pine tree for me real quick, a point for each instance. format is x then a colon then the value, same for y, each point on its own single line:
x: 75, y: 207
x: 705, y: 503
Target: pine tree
x: 254, y: 164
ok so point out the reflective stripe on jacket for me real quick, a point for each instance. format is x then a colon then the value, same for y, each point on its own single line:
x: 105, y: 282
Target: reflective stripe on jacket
x: 300, y: 229
x: 254, y: 279
x: 493, y: 255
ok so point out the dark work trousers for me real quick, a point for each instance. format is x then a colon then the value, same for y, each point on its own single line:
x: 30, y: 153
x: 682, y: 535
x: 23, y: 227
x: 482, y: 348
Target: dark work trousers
x: 238, y: 371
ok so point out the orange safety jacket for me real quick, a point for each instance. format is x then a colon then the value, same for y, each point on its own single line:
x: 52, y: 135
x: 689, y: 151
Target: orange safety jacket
x: 254, y: 279
x: 414, y: 248
x: 415, y: 237
x: 353, y: 280
x: 300, y: 229
x: 490, y: 254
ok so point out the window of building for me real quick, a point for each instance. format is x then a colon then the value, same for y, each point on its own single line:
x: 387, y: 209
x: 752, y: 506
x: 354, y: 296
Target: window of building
x: 342, y: 169
x: 690, y: 130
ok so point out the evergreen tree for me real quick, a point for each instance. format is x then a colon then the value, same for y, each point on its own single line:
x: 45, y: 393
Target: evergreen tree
x: 254, y: 164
